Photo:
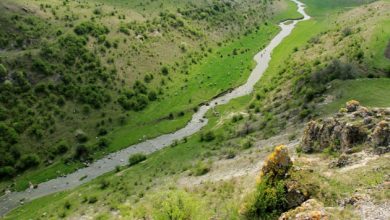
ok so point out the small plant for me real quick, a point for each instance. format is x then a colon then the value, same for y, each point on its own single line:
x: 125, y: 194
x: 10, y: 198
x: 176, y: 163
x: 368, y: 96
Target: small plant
x: 207, y: 137
x: 136, y: 158
x: 67, y: 205
x: 246, y: 144
x: 104, y: 184
x: 92, y: 200
x: 201, y: 168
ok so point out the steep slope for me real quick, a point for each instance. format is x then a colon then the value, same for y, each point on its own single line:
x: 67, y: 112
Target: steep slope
x: 86, y: 78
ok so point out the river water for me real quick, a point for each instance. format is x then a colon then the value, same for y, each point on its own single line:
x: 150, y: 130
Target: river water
x: 120, y: 158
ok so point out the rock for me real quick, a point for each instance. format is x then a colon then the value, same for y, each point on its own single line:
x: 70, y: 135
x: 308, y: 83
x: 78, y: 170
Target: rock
x: 381, y: 134
x: 358, y: 126
x: 351, y: 200
x: 351, y: 135
x: 367, y: 120
x: 342, y: 161
x: 296, y: 195
x: 352, y: 105
x: 309, y: 210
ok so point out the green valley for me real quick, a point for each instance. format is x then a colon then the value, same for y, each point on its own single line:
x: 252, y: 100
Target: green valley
x: 83, y: 83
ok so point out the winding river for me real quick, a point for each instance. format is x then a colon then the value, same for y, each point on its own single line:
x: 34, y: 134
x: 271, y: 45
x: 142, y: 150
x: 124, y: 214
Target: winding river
x: 120, y: 158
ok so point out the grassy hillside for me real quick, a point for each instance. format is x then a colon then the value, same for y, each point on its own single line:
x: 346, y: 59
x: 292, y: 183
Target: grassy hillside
x: 302, y: 74
x: 87, y: 78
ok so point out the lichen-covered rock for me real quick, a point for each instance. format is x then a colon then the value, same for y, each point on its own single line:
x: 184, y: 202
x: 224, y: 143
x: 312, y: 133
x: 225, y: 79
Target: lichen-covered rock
x: 358, y: 126
x: 342, y: 161
x: 296, y: 194
x: 352, y: 105
x: 309, y: 210
x: 277, y: 164
x: 381, y: 137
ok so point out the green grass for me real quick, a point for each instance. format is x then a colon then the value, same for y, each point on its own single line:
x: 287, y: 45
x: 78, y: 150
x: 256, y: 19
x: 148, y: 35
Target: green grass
x: 369, y: 92
x: 298, y: 38
x: 289, y: 13
x: 378, y: 44
x: 319, y: 8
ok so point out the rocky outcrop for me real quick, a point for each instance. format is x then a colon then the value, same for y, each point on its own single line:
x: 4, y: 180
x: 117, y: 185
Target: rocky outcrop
x: 309, y: 210
x: 353, y: 126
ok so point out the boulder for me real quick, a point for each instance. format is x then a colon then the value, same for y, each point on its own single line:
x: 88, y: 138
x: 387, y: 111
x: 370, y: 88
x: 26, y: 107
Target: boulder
x: 309, y: 210
x: 380, y: 137
x: 352, y: 105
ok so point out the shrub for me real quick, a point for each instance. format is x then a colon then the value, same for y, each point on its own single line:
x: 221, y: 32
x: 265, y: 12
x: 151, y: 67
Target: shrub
x: 277, y: 164
x: 152, y: 95
x: 267, y: 202
x: 209, y: 136
x: 104, y: 184
x: 91, y: 28
x: 102, y: 132
x: 67, y: 205
x: 28, y: 161
x: 103, y: 143
x: 246, y: 144
x: 165, y: 70
x: 7, y: 172
x: 81, y: 152
x: 3, y: 71
x: 62, y: 148
x: 177, y: 205
x: 8, y: 134
x: 201, y: 168
x: 270, y: 197
x: 92, y: 200
x: 136, y: 158
x: 81, y: 137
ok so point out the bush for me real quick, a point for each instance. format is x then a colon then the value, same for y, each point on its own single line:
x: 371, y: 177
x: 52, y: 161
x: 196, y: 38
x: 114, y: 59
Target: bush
x: 81, y: 137
x: 177, y: 205
x: 102, y: 132
x: 7, y: 172
x: 201, y: 168
x: 81, y: 152
x: 28, y: 161
x: 209, y: 136
x: 92, y: 200
x: 91, y: 28
x: 103, y: 143
x: 3, y: 71
x: 136, y: 158
x: 61, y: 148
x: 267, y: 202
x: 104, y: 184
x: 270, y: 197
x: 165, y: 70
x: 152, y: 95
x: 246, y: 144
x: 277, y: 164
